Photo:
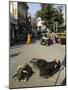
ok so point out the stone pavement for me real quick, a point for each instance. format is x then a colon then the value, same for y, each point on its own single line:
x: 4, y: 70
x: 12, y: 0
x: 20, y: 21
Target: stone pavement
x: 23, y: 53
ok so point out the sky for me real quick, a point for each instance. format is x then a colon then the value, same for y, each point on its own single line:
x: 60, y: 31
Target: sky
x: 33, y: 7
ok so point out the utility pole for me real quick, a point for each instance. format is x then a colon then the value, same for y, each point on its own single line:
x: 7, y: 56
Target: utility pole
x: 56, y: 24
x: 54, y: 27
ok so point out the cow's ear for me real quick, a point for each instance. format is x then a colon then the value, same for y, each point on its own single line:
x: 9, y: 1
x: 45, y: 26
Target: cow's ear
x: 59, y: 62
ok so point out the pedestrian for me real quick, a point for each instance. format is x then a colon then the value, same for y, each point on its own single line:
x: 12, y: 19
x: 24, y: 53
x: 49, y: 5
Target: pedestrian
x: 28, y: 39
x: 53, y: 38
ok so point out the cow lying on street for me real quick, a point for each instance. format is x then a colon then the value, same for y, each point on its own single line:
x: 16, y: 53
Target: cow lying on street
x: 23, y: 72
x: 46, y: 68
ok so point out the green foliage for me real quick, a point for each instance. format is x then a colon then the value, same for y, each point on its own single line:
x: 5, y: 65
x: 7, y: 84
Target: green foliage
x: 50, y: 15
x: 33, y: 22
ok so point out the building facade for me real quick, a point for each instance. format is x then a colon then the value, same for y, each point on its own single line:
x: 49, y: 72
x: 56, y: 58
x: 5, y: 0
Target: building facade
x: 19, y: 22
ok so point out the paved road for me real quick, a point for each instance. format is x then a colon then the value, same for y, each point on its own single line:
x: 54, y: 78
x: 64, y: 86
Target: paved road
x: 23, y: 53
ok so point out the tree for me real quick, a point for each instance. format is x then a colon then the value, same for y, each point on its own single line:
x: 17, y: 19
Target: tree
x: 50, y: 15
x: 33, y: 22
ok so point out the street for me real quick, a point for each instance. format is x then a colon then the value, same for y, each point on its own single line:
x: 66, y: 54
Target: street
x: 21, y: 54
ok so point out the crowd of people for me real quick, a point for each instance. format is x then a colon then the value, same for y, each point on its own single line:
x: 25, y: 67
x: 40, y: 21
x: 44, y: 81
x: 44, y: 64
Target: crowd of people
x: 49, y: 38
x: 53, y: 38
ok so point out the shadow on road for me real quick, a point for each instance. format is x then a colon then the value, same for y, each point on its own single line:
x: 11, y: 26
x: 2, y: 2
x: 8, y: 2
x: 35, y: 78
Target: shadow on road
x: 17, y: 45
x: 64, y: 82
x: 21, y: 44
x: 15, y: 54
x: 64, y: 63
